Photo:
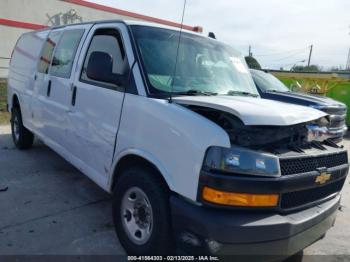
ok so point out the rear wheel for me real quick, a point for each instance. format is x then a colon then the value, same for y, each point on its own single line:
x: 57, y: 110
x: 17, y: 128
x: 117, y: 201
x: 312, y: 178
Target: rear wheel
x: 141, y: 213
x: 22, y: 137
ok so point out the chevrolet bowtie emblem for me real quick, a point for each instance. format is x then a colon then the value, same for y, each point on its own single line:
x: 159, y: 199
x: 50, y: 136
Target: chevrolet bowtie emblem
x: 323, y: 178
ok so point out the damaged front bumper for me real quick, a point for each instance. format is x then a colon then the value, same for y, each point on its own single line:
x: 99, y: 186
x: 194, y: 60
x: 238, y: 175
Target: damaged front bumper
x: 204, y: 230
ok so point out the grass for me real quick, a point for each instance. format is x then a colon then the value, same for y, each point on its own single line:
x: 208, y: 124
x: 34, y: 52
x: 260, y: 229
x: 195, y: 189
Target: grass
x: 4, y: 115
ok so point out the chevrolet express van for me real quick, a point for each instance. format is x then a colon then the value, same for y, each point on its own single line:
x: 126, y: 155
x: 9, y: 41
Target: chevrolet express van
x: 191, y: 153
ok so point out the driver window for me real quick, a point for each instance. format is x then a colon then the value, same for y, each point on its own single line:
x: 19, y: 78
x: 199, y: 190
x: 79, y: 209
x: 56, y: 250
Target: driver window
x: 107, y: 41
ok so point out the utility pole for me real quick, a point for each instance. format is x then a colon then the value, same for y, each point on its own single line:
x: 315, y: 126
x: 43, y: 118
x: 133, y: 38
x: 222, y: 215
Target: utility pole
x: 348, y: 61
x: 309, y: 61
x: 347, y: 67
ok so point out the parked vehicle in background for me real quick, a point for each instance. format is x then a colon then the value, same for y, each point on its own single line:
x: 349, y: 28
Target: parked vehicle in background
x: 270, y: 87
x: 192, y: 155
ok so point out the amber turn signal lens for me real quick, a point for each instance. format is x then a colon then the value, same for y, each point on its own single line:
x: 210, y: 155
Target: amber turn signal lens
x: 239, y: 199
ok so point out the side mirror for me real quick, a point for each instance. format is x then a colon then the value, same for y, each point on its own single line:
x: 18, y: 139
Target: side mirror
x: 100, y: 67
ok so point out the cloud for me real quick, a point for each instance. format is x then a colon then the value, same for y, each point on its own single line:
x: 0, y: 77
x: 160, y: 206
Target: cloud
x: 279, y: 31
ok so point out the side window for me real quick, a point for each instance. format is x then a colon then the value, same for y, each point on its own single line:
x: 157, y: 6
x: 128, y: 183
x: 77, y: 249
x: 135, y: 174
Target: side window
x: 63, y: 58
x: 107, y: 41
x: 47, y: 51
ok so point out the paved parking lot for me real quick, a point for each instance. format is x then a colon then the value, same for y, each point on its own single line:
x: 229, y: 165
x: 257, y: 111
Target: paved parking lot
x: 51, y: 208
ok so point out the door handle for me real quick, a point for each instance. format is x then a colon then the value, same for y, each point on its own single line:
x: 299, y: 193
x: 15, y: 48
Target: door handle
x: 74, y: 94
x: 48, y: 88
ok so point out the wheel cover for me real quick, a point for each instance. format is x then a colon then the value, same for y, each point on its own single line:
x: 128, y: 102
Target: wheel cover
x: 137, y: 215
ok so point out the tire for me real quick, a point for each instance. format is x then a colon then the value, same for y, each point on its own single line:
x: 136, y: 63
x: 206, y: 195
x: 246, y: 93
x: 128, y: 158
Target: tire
x: 298, y: 257
x: 22, y: 137
x: 141, y: 213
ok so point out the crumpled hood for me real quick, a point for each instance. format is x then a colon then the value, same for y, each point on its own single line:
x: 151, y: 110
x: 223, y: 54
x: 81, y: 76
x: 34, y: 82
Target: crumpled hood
x: 255, y: 111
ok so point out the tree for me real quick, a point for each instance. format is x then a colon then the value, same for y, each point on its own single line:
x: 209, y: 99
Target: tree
x: 252, y: 62
x: 336, y: 68
x: 301, y: 68
x: 339, y: 69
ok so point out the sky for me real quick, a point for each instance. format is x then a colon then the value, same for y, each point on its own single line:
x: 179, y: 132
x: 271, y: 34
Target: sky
x: 279, y: 31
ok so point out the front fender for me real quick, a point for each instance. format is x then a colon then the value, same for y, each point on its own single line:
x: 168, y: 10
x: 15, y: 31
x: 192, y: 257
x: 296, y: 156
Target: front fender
x: 146, y: 156
x: 172, y: 137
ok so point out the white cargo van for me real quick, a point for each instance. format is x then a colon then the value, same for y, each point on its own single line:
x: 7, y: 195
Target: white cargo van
x: 191, y: 153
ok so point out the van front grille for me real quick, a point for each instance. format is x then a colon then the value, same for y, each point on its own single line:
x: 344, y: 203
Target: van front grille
x: 307, y: 196
x: 299, y: 165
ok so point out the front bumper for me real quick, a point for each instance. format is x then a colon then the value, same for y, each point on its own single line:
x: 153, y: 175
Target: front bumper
x: 238, y: 232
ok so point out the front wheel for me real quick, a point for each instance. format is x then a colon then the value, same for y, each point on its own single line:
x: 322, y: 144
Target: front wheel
x: 22, y: 137
x: 141, y: 213
x: 298, y: 257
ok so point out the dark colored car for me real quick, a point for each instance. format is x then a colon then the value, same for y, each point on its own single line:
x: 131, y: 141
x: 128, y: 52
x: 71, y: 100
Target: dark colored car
x: 272, y: 88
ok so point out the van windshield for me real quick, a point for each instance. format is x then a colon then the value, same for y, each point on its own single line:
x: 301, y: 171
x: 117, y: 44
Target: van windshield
x: 267, y: 82
x: 205, y: 66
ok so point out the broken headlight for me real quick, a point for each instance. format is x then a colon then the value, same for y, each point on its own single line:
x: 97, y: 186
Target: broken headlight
x: 240, y: 160
x: 318, y: 130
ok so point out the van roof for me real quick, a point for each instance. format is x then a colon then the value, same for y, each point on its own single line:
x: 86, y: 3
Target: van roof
x: 127, y: 22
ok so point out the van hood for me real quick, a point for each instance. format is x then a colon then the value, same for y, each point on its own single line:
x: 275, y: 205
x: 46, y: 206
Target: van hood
x: 255, y: 111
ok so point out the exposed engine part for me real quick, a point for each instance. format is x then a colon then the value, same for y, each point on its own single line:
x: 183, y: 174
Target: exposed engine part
x: 264, y: 137
x: 317, y: 133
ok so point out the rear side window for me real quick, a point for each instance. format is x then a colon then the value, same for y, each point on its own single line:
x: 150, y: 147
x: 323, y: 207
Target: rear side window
x: 47, y: 51
x: 107, y: 41
x: 63, y: 58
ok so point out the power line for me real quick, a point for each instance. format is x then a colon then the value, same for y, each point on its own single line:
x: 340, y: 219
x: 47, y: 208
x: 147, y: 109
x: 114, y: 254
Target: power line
x: 283, y: 52
x: 288, y: 64
x: 274, y: 59
x: 289, y: 56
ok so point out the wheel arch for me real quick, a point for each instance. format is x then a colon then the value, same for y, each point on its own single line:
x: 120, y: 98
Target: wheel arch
x: 133, y: 159
x: 14, y: 102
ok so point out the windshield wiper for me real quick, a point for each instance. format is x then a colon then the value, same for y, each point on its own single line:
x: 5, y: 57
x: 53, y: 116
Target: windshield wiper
x: 193, y: 92
x: 242, y: 93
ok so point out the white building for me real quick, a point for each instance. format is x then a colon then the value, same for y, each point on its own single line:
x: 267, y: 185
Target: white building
x: 19, y: 16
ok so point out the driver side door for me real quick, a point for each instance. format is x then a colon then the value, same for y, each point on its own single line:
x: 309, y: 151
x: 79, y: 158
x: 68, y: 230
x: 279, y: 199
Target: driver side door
x: 96, y: 106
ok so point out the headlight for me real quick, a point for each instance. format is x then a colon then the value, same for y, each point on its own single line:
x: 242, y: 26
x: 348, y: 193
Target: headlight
x: 317, y: 133
x: 323, y: 121
x: 318, y: 130
x: 242, y: 161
